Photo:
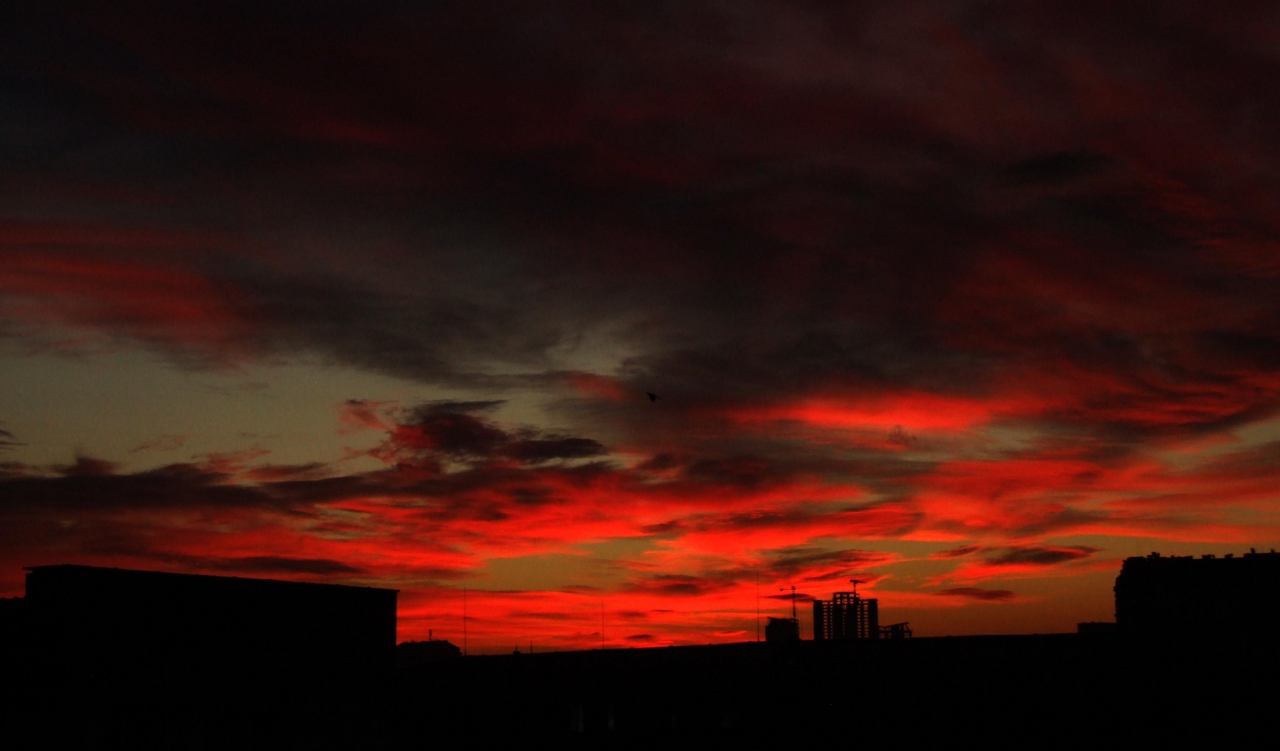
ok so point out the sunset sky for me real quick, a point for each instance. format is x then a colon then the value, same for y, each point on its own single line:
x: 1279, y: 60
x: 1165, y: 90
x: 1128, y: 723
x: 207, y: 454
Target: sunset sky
x: 967, y: 301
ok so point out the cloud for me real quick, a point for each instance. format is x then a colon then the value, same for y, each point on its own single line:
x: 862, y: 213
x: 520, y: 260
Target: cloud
x: 448, y: 429
x: 677, y: 585
x: 87, y: 466
x: 533, y: 451
x: 8, y: 440
x: 451, y: 430
x: 260, y: 564
x: 977, y: 593
x: 168, y: 442
x: 779, y: 267
x: 1021, y: 561
x: 810, y: 564
x: 1033, y: 556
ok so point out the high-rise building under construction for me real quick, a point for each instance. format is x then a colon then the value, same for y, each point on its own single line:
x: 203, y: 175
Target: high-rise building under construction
x: 846, y: 616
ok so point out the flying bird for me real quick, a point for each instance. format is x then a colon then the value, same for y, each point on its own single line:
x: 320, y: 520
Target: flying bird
x: 652, y: 396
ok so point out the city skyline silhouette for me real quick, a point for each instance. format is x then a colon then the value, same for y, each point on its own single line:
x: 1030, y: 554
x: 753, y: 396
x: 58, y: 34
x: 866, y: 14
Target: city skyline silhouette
x: 113, y: 658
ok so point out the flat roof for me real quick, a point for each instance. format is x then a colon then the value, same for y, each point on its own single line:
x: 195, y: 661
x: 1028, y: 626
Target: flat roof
x: 207, y: 577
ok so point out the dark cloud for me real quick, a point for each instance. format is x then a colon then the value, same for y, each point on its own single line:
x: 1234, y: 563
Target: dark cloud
x: 452, y: 430
x: 659, y: 463
x: 745, y: 471
x: 678, y: 585
x: 815, y: 564
x: 168, y: 442
x: 87, y: 466
x: 263, y: 564
x: 542, y: 615
x: 1061, y: 167
x: 977, y: 593
x: 92, y: 484
x: 800, y: 597
x: 662, y: 528
x: 8, y: 440
x: 1038, y: 556
x: 534, y: 451
x: 765, y: 212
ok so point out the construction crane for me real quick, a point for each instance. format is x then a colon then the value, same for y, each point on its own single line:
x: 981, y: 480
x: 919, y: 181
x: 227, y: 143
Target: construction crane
x: 793, y: 600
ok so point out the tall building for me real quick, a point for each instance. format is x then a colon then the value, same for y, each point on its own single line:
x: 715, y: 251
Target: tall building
x: 846, y: 616
x: 1209, y: 594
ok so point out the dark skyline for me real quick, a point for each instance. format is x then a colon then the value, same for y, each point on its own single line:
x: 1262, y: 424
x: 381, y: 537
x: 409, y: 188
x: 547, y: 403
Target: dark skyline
x: 969, y: 301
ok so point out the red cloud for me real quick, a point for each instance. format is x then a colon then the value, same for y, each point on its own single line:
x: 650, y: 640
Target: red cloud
x: 913, y: 412
x: 150, y: 302
x: 428, y: 533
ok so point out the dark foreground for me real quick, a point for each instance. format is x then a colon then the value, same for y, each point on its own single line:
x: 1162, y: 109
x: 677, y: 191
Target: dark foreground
x: 1061, y: 690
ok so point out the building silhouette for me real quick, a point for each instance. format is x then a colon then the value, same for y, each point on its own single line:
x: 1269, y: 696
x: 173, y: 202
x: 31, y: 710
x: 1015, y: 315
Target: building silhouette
x: 848, y: 616
x: 149, y: 660
x: 1095, y: 628
x: 1206, y: 595
x: 420, y: 652
x: 896, y: 631
x: 148, y: 621
x: 782, y: 629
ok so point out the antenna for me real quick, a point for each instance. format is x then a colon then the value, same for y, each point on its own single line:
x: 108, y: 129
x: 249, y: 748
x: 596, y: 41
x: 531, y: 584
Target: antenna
x: 757, y: 604
x: 855, y: 583
x: 602, y: 622
x: 793, y: 600
x: 464, y: 620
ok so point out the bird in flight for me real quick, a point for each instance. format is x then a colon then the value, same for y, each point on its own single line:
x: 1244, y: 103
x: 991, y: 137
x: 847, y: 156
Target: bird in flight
x: 652, y: 396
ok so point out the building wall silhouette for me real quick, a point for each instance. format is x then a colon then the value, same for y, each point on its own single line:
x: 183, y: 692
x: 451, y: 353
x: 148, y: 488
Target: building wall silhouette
x: 127, y: 620
x: 1210, y: 595
x: 782, y: 629
x: 411, y: 653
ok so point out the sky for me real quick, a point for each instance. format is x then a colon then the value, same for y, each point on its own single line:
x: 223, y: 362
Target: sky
x: 967, y: 301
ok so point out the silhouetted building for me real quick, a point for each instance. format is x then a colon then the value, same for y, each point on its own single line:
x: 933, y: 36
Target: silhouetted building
x: 1183, y: 594
x: 896, y: 631
x: 782, y: 629
x: 846, y: 616
x: 150, y: 621
x: 11, y: 610
x: 12, y: 623
x: 421, y: 652
x: 1093, y: 628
